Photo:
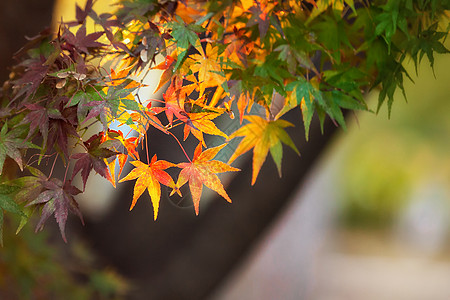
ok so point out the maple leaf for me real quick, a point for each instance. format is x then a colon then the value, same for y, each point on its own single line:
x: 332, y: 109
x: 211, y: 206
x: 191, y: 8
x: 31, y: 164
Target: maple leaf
x: 142, y: 120
x: 7, y: 203
x: 239, y: 46
x: 262, y: 136
x: 57, y: 199
x: 209, y: 71
x: 121, y: 78
x: 150, y: 176
x: 167, y: 65
x: 30, y: 185
x: 174, y: 99
x: 260, y: 16
x: 184, y: 34
x: 292, y: 57
x: 201, y: 123
x: 81, y: 14
x: 29, y: 82
x: 244, y: 100
x: 127, y: 147
x: 101, y: 109
x: 201, y: 171
x: 39, y: 117
x: 93, y: 159
x: 81, y: 41
x: 10, y: 143
x: 61, y: 125
x: 109, y: 107
x: 189, y: 12
x: 304, y: 93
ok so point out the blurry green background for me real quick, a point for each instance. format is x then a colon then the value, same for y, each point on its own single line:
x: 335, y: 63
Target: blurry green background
x: 372, y: 220
x: 385, y: 163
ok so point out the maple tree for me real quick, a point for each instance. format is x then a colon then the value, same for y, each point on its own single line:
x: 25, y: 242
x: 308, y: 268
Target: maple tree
x: 216, y: 57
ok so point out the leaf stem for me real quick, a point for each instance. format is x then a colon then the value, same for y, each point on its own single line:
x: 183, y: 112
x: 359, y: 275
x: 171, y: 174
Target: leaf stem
x: 53, y: 166
x: 181, y: 146
x: 146, y: 147
x: 65, y: 176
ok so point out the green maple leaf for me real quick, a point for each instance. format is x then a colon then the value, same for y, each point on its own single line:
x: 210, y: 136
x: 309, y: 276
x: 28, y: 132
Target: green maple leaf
x: 10, y: 143
x: 394, y: 16
x: 427, y: 42
x: 7, y: 203
x: 306, y: 92
x: 185, y: 34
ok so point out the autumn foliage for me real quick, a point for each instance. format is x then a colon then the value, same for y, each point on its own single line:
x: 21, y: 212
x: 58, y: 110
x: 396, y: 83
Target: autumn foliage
x: 217, y: 59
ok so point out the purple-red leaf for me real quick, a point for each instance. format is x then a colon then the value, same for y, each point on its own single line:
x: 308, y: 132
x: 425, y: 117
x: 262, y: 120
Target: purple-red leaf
x: 38, y: 117
x: 57, y: 199
x: 81, y: 14
x: 93, y: 159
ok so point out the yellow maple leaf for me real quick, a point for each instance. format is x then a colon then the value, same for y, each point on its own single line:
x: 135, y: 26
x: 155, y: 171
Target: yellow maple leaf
x: 262, y: 136
x: 210, y: 73
x: 201, y: 123
x: 149, y: 176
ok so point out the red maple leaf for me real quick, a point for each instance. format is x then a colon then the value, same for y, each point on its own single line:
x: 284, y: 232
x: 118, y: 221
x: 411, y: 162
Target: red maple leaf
x: 81, y: 41
x: 174, y: 101
x: 62, y: 124
x: 94, y: 158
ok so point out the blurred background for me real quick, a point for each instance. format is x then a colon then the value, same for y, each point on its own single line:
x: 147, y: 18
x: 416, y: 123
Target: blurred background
x: 362, y: 214
x: 371, y: 221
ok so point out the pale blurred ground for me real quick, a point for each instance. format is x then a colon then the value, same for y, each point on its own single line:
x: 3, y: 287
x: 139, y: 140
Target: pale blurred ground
x: 372, y: 220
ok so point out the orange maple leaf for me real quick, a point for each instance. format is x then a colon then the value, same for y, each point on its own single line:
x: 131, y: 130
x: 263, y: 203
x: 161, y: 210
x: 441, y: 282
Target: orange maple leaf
x: 174, y: 98
x: 263, y: 135
x: 129, y: 144
x: 201, y: 171
x: 143, y: 119
x: 167, y: 65
x: 120, y: 77
x: 239, y: 47
x: 150, y: 176
x: 189, y: 11
x: 244, y: 99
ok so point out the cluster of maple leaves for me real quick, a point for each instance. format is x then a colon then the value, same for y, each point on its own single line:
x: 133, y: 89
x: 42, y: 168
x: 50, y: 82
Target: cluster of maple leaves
x: 217, y: 56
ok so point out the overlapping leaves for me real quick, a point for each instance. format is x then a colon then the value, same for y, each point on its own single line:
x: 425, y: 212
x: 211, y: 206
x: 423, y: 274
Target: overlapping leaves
x: 318, y: 56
